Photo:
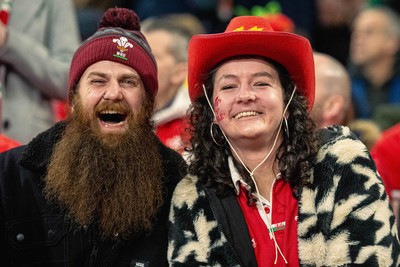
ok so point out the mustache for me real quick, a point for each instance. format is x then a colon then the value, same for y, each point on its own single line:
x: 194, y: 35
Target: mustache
x: 119, y: 107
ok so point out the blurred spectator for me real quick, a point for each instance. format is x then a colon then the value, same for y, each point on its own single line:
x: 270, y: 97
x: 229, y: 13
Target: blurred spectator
x: 169, y: 43
x: 332, y: 91
x: 190, y: 23
x: 332, y: 31
x: 36, y: 47
x: 375, y: 66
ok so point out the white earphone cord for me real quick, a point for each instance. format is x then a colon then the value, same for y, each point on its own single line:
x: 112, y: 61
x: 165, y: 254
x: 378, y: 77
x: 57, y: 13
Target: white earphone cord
x: 251, y: 173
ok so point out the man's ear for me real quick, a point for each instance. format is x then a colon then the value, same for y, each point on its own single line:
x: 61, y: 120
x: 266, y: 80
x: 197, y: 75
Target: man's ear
x: 333, y: 107
x: 72, y: 101
x: 180, y: 73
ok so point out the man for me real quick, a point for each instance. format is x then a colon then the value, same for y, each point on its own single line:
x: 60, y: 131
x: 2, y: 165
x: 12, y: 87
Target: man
x: 332, y: 91
x: 169, y: 43
x: 375, y: 68
x: 94, y: 190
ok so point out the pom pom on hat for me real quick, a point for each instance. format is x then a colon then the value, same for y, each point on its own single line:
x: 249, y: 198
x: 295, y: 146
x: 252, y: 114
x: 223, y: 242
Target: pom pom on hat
x: 118, y: 39
x: 120, y: 17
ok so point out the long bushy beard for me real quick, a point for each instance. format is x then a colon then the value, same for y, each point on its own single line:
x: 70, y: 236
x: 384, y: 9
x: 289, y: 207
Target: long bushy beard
x: 113, y: 180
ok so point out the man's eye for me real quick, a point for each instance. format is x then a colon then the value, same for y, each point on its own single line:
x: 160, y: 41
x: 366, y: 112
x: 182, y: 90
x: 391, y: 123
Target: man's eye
x: 98, y: 81
x: 261, y: 84
x: 131, y: 83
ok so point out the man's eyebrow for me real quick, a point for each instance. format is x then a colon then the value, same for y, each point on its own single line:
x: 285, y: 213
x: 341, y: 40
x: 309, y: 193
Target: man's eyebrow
x: 97, y: 73
x: 129, y: 75
x: 120, y: 76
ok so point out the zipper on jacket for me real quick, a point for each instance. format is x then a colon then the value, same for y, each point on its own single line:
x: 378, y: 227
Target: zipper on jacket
x: 93, y: 254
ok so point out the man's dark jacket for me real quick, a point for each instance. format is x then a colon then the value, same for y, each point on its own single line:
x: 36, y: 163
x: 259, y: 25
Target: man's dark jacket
x: 35, y: 233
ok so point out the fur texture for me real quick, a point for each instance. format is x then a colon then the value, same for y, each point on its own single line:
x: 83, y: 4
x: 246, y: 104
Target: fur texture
x: 344, y: 217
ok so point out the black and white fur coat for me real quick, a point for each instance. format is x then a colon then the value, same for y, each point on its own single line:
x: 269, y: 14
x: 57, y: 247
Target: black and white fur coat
x: 344, y: 218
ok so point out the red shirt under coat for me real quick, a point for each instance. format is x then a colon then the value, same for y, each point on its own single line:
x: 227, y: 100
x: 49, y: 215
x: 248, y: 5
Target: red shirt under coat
x: 283, y: 209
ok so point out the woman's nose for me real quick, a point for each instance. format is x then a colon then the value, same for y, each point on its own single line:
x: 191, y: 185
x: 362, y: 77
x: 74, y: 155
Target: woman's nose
x: 245, y: 94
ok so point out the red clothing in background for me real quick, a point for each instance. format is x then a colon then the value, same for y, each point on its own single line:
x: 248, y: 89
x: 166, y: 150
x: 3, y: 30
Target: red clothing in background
x: 172, y: 134
x: 7, y: 143
x: 386, y: 156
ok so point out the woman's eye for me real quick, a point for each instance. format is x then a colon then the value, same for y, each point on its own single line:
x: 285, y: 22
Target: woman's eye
x: 227, y: 87
x: 261, y: 84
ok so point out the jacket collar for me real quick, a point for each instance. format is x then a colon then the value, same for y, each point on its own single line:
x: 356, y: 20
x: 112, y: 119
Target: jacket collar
x: 38, y: 152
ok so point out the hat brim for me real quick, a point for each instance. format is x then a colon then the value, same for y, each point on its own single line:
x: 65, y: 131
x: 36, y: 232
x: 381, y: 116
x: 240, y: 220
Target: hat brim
x: 292, y: 51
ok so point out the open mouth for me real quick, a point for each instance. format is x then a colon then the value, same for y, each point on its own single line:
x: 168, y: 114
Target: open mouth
x: 246, y: 114
x: 112, y: 117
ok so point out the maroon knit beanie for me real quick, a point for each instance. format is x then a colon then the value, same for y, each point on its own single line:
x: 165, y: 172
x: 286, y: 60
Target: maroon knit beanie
x: 118, y: 39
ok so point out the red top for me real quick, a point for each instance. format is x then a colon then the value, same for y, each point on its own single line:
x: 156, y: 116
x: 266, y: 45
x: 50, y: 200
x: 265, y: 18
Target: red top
x: 7, y: 143
x: 284, y: 222
x: 172, y: 134
x: 385, y: 154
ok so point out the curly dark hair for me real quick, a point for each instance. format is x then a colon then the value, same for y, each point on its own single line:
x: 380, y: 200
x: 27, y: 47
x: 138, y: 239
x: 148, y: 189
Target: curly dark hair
x: 295, y: 155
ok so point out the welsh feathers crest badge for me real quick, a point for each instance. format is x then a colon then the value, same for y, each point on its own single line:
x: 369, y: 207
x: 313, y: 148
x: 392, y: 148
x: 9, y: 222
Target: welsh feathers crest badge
x: 122, y: 47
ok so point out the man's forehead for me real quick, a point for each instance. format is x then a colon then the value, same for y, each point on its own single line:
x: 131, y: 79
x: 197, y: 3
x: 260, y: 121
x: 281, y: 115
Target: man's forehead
x: 106, y: 67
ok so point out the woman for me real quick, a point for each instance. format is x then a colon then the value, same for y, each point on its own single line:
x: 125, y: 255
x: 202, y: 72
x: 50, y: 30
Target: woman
x: 264, y: 188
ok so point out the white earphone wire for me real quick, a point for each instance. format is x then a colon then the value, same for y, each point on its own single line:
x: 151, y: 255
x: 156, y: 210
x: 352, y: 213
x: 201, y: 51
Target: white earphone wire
x: 251, y: 173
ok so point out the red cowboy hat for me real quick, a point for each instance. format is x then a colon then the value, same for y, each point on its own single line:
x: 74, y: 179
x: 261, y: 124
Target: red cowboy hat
x: 251, y: 35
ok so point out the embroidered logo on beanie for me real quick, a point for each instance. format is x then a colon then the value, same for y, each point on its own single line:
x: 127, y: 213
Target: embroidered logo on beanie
x: 123, y: 45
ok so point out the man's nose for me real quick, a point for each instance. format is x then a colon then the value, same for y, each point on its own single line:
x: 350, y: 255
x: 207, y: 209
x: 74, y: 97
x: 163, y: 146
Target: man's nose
x: 113, y: 92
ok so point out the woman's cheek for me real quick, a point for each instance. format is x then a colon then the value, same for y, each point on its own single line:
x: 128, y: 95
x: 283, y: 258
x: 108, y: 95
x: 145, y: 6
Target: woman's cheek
x: 220, y: 115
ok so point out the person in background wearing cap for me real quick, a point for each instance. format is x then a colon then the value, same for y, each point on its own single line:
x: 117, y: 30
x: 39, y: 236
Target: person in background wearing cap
x: 265, y: 188
x: 94, y: 190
